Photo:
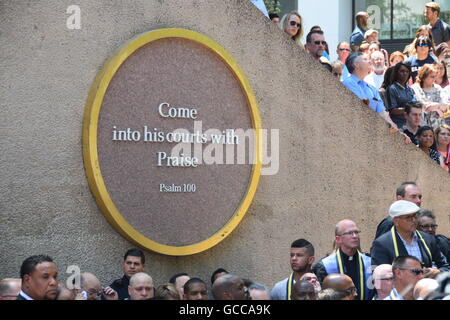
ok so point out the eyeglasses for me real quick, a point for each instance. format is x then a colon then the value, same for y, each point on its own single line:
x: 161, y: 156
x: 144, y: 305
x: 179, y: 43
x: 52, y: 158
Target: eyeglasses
x: 344, y: 49
x: 423, y: 45
x: 350, y: 291
x: 295, y: 24
x: 320, y: 42
x: 351, y: 233
x: 429, y: 226
x: 415, y: 272
x: 386, y: 279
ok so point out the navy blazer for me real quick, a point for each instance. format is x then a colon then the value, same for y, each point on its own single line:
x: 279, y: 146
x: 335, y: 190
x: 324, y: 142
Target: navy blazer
x: 383, y: 251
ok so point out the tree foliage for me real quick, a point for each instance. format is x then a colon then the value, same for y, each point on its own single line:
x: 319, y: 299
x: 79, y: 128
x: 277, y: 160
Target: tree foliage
x: 273, y: 6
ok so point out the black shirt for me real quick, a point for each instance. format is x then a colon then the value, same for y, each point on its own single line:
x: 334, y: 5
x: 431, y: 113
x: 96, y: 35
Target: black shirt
x: 412, y: 136
x: 121, y: 286
x: 351, y: 266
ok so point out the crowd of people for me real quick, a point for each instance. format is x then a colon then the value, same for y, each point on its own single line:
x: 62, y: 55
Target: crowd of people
x: 408, y: 260
x: 393, y: 85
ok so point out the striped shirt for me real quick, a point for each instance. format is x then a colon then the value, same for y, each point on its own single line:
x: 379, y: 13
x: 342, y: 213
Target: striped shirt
x: 413, y: 248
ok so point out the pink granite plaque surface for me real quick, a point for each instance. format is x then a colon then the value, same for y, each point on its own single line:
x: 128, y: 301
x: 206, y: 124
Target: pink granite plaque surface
x: 185, y: 74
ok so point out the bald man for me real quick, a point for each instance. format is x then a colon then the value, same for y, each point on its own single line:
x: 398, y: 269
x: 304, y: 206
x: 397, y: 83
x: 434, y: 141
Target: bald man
x: 312, y: 278
x: 383, y: 280
x: 230, y: 287
x: 141, y: 287
x: 341, y: 283
x: 303, y: 290
x: 10, y: 288
x: 91, y: 287
x: 64, y: 293
x: 347, y: 259
x: 424, y: 288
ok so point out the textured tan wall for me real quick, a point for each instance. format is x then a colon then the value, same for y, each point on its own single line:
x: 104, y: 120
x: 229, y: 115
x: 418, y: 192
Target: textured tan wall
x: 337, y: 159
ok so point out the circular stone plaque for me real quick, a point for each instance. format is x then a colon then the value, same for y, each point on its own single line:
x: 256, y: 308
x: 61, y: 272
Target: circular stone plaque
x: 164, y: 138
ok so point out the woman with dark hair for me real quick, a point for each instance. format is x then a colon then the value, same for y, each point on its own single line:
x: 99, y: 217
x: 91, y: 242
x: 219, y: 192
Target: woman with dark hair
x: 425, y: 136
x: 423, y: 47
x: 424, y: 31
x: 291, y: 23
x: 443, y: 52
x: 430, y: 95
x: 398, y: 93
x: 441, y: 75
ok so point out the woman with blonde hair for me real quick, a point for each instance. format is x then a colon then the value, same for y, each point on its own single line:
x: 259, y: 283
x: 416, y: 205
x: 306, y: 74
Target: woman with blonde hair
x: 291, y: 23
x: 430, y: 95
x: 442, y: 140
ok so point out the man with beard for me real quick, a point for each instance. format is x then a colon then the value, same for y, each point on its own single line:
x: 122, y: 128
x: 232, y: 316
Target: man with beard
x: 347, y: 260
x: 376, y: 77
x: 302, y: 258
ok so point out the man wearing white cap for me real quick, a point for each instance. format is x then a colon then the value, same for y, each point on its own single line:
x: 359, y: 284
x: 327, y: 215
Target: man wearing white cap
x: 404, y: 239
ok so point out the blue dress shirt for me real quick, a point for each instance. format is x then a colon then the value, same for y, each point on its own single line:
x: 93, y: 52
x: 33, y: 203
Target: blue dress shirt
x: 363, y: 90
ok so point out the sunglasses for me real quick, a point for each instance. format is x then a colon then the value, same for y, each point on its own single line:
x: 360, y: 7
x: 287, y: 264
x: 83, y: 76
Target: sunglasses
x: 344, y: 49
x: 295, y: 24
x: 415, y: 272
x: 320, y: 42
x: 423, y: 45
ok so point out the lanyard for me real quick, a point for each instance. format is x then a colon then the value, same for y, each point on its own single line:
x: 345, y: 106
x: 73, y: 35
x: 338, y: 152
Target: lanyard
x: 361, y: 273
x: 394, y: 240
x: 289, y: 286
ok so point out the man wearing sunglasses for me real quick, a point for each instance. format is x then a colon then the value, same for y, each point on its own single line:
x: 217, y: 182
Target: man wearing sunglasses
x: 404, y: 239
x: 315, y: 45
x: 407, y: 271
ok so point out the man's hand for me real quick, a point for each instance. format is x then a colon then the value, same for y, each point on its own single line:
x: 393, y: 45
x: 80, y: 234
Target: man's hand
x: 110, y: 294
x: 406, y: 139
x: 431, y: 272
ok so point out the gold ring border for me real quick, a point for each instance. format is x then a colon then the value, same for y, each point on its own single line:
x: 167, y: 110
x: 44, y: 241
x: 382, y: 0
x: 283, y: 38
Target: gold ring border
x: 90, y: 155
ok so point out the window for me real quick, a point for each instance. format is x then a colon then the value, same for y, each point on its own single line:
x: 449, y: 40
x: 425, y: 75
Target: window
x: 395, y: 19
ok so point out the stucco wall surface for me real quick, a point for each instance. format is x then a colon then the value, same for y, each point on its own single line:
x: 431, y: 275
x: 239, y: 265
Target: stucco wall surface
x: 337, y: 159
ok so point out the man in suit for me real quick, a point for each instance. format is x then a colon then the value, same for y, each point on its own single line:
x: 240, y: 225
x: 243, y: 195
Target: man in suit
x: 38, y: 274
x: 404, y: 239
x: 406, y: 191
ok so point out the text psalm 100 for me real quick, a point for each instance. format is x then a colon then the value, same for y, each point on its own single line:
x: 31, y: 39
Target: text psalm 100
x: 185, y: 187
